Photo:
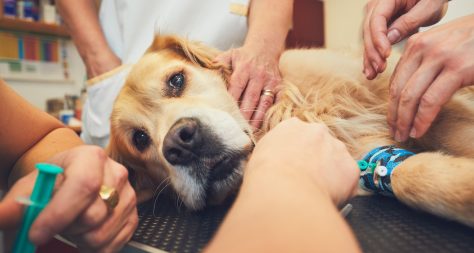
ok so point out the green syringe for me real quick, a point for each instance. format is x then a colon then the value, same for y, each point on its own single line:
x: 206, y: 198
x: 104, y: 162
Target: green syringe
x: 40, y: 197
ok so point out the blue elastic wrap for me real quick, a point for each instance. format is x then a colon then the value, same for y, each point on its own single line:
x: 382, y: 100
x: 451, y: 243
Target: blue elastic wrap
x: 386, y: 156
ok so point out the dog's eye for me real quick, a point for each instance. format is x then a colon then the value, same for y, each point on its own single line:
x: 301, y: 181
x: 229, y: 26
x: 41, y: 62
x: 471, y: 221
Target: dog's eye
x: 141, y: 140
x: 176, y: 81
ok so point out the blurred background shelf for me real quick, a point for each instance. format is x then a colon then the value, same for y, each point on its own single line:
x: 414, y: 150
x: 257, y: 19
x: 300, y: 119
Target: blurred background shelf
x: 14, y: 24
x: 35, y: 79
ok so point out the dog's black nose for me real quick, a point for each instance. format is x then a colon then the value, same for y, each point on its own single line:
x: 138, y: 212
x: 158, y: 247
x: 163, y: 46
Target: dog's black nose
x: 182, y: 141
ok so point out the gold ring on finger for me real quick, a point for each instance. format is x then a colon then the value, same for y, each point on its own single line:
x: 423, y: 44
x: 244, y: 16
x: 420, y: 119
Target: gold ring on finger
x: 269, y: 93
x: 109, y: 195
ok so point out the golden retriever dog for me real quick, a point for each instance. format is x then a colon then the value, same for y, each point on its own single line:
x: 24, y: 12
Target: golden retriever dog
x: 175, y: 124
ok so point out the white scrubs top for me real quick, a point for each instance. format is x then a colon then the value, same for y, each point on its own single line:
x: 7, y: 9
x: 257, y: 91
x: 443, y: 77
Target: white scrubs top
x: 129, y: 27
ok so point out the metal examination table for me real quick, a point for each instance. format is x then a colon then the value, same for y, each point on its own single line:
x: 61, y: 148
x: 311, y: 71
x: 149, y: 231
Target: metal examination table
x: 381, y: 224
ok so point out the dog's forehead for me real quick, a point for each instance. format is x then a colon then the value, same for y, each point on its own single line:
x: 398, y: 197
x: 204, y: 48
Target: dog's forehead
x: 155, y: 64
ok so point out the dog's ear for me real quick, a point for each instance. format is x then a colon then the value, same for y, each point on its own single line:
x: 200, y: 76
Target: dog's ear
x: 192, y: 51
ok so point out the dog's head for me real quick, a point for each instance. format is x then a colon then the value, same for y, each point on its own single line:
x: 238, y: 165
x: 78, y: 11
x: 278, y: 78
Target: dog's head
x: 174, y: 120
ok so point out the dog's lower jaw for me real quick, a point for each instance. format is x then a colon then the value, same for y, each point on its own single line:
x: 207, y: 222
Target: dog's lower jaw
x: 220, y: 190
x: 196, y: 194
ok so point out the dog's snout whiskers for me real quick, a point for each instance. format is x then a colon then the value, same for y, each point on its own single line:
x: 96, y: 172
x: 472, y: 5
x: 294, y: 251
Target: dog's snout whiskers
x: 168, y: 182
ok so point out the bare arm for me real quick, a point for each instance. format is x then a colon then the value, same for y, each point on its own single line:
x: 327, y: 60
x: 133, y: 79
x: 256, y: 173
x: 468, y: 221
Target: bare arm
x: 27, y: 136
x: 82, y: 22
x: 269, y: 22
x: 280, y: 214
x: 288, y: 198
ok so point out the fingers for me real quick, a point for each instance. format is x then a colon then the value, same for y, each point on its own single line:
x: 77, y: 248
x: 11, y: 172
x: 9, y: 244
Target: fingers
x: 403, y: 71
x: 238, y: 81
x: 116, y: 176
x: 423, y: 13
x: 410, y: 97
x: 93, y: 217
x: 77, y: 192
x: 373, y: 62
x: 11, y: 213
x: 251, y: 95
x: 100, y: 225
x: 124, y: 236
x: 438, y: 94
x: 383, y: 12
x: 264, y: 104
x: 105, y: 234
x: 249, y: 76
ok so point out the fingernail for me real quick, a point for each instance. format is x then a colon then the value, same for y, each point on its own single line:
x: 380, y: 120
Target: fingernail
x: 393, y: 36
x: 376, y: 67
x: 413, y: 133
x: 397, y: 137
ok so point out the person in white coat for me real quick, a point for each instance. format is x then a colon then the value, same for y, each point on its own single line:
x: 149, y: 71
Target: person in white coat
x: 251, y: 34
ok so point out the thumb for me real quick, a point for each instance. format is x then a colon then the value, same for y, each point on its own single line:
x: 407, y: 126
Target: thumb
x: 422, y: 14
x: 11, y: 213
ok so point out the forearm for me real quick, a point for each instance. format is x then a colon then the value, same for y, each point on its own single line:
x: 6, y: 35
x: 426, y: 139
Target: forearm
x: 27, y: 136
x: 82, y: 21
x: 269, y: 23
x: 21, y: 127
x: 56, y: 141
x: 283, y: 213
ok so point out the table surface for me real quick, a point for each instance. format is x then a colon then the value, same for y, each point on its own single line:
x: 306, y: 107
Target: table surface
x: 381, y: 224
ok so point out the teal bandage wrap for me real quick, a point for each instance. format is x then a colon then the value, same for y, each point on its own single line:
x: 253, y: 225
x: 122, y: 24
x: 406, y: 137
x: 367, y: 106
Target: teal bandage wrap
x: 377, y: 166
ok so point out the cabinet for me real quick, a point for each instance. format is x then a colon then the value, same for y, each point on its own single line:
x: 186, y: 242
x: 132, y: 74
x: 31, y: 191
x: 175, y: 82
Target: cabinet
x: 14, y: 24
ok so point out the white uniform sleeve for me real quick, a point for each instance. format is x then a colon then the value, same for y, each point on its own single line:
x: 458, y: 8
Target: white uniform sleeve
x: 101, y: 95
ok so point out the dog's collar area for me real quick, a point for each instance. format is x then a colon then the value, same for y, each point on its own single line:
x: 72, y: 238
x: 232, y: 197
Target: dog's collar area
x: 377, y: 166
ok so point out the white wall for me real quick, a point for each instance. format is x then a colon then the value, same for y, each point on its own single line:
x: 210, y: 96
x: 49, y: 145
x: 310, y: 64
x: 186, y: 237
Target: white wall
x: 342, y: 23
x: 37, y: 92
x: 343, y: 20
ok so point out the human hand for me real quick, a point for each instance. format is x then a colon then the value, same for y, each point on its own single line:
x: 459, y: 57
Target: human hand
x: 435, y: 64
x: 388, y: 22
x: 99, y: 64
x: 76, y: 210
x: 308, y: 151
x: 11, y: 211
x: 255, y: 69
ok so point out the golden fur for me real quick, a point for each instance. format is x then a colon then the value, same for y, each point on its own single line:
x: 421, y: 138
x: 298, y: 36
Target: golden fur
x: 318, y: 86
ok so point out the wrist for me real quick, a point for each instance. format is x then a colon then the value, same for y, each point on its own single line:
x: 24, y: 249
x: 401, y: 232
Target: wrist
x: 268, y: 45
x: 99, y: 63
x: 282, y: 179
x: 265, y: 47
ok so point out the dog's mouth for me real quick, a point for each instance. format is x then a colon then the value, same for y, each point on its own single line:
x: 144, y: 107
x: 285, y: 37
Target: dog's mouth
x: 225, y: 167
x: 207, y: 162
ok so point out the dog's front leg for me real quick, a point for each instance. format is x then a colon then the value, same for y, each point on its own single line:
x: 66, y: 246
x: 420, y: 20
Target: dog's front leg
x: 437, y: 183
